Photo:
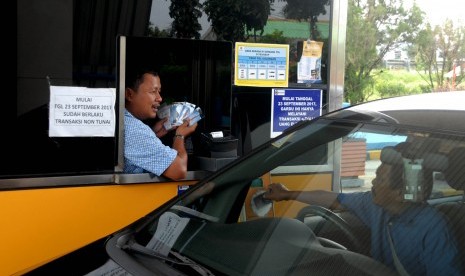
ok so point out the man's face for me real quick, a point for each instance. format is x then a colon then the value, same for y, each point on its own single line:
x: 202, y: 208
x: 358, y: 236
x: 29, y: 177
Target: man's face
x: 144, y: 102
x: 383, y: 194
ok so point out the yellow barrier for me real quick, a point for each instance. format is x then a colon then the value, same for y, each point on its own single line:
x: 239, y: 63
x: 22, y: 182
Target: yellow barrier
x: 40, y: 225
x: 374, y: 154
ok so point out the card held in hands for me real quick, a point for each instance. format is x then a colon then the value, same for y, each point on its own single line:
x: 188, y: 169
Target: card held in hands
x: 177, y: 112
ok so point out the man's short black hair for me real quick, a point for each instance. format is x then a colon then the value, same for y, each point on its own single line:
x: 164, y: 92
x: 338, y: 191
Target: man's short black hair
x: 455, y: 172
x: 134, y: 79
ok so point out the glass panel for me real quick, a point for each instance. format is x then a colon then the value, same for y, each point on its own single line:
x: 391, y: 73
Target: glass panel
x: 293, y: 28
x: 31, y: 152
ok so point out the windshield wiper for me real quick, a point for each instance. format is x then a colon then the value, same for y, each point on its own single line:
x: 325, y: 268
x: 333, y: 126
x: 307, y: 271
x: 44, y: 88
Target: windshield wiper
x: 133, y: 246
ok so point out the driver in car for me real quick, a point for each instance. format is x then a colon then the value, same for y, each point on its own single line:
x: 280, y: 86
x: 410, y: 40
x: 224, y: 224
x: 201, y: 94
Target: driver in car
x: 410, y: 237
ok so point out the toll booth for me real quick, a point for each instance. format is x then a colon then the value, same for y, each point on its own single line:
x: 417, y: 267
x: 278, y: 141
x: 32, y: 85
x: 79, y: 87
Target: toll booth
x: 77, y: 181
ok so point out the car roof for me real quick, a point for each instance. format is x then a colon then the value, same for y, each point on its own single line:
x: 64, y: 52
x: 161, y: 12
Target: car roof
x: 452, y: 100
x: 436, y: 110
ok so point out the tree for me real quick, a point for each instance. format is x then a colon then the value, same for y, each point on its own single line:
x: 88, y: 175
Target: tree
x: 374, y: 28
x: 307, y: 10
x: 446, y: 40
x: 275, y: 37
x: 185, y: 14
x: 256, y: 14
x: 451, y: 43
x: 230, y: 19
x: 360, y: 52
x: 424, y: 52
x: 156, y: 32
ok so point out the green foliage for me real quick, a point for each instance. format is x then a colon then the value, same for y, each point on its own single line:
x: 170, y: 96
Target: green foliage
x: 185, y: 14
x: 236, y: 20
x: 156, y: 32
x: 275, y: 37
x: 449, y: 41
x: 230, y: 19
x: 307, y: 10
x: 374, y: 28
x: 392, y: 88
x: 256, y: 14
x: 360, y: 54
x: 225, y: 17
x: 304, y: 9
x: 391, y: 83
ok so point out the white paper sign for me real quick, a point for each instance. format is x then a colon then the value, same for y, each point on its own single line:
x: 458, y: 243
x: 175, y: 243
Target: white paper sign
x: 82, y: 112
x: 168, y: 231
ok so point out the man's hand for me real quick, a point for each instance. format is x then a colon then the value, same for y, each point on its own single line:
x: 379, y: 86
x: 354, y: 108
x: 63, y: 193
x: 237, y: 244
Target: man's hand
x: 277, y: 192
x: 185, y: 129
x: 159, y: 128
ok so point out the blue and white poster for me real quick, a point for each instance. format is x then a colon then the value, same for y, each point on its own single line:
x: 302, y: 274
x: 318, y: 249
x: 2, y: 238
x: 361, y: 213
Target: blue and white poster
x: 289, y: 106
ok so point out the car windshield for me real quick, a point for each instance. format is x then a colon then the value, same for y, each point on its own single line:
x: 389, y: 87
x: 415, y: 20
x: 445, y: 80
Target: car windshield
x: 224, y: 226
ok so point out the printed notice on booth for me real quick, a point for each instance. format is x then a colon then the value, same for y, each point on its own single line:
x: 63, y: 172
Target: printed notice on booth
x: 81, y: 112
x: 289, y: 106
x: 261, y: 64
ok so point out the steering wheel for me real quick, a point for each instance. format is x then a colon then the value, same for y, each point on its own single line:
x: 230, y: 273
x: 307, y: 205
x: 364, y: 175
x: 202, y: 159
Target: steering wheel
x: 334, y: 219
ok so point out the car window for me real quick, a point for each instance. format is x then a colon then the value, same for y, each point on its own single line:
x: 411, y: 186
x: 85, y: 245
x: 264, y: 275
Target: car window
x: 361, y: 152
x: 224, y: 225
x: 361, y: 157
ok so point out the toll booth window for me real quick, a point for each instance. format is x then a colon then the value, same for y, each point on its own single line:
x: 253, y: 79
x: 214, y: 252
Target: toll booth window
x: 252, y: 115
x: 196, y: 71
x: 308, y: 51
x: 29, y: 151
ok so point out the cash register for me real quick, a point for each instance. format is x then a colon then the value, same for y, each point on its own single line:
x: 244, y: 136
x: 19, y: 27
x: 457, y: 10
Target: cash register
x: 215, y: 150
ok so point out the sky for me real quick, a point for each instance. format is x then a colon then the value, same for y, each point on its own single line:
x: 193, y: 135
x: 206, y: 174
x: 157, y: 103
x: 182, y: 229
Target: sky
x: 436, y: 11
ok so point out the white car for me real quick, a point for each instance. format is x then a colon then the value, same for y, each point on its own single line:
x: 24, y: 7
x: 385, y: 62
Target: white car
x: 224, y: 226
